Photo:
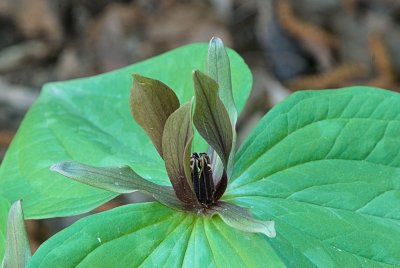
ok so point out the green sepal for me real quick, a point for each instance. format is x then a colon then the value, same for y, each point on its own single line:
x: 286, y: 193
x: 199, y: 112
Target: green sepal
x: 219, y: 69
x: 239, y: 218
x: 118, y: 180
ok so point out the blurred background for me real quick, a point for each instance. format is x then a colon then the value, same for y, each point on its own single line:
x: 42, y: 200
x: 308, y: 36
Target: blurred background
x: 288, y: 44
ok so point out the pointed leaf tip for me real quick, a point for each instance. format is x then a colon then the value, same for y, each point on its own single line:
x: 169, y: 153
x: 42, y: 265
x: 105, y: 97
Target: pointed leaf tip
x: 211, y: 117
x: 58, y: 167
x: 18, y: 250
x: 240, y: 219
x: 219, y: 69
x: 152, y: 102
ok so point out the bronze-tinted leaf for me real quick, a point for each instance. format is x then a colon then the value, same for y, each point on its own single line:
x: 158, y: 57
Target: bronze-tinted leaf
x: 176, y: 144
x: 211, y: 117
x: 18, y: 250
x: 152, y: 102
x: 119, y: 180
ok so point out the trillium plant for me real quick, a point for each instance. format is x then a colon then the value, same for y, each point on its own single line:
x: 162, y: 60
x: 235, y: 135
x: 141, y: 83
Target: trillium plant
x: 316, y: 183
x: 198, y: 181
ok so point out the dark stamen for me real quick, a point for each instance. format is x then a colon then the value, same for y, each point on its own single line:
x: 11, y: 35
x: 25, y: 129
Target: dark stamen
x: 202, y: 178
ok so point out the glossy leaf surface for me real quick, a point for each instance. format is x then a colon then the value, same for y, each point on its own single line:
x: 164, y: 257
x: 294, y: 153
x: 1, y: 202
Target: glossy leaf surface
x: 324, y: 165
x: 88, y: 120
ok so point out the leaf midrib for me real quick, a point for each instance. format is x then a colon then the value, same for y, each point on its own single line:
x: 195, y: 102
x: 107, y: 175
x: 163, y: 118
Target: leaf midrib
x: 161, y: 241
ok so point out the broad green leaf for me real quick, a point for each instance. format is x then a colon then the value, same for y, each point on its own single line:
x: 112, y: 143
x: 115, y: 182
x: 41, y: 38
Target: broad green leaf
x: 152, y: 102
x: 176, y: 144
x: 211, y: 117
x: 119, y: 180
x: 151, y: 235
x: 17, y: 251
x: 4, y: 207
x: 88, y: 120
x: 325, y: 166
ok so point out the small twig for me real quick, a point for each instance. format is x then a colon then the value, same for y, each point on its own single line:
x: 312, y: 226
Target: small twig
x: 382, y: 63
x: 5, y: 138
x: 300, y: 29
x: 333, y: 78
